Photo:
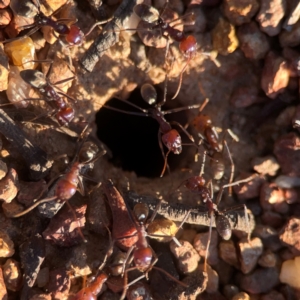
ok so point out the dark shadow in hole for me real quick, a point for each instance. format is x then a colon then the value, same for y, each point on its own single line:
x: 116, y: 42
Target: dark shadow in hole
x: 133, y: 140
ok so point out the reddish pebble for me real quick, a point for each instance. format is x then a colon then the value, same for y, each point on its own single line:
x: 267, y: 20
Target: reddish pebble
x: 200, y: 243
x: 270, y: 14
x: 12, y: 275
x: 275, y: 75
x: 228, y: 253
x: 290, y: 235
x: 63, y: 229
x: 3, y: 291
x: 59, y: 284
x: 286, y: 150
x: 239, y: 12
x: 186, y: 255
x: 268, y: 259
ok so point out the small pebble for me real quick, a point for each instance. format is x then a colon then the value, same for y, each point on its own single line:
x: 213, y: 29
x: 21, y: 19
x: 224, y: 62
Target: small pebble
x: 5, y: 17
x: 12, y: 275
x: 262, y: 280
x: 241, y: 296
x: 290, y: 235
x: 3, y: 169
x: 268, y: 259
x: 290, y: 38
x: 224, y: 37
x: 230, y: 291
x: 286, y: 182
x: 139, y: 291
x: 273, y: 295
x: 186, y: 255
x: 239, y: 12
x: 3, y: 291
x: 43, y: 277
x: 228, y: 253
x: 213, y: 279
x: 286, y: 150
x: 200, y: 243
x: 41, y: 297
x: 249, y: 253
x: 249, y: 189
x: 266, y: 165
x: 272, y: 218
x: 6, y: 245
x: 275, y: 75
x: 253, y: 42
x: 4, y: 69
x: 269, y: 195
x: 293, y: 59
x: 9, y: 186
x: 63, y: 230
x: 59, y: 283
x: 293, y: 15
x: 269, y: 16
x: 269, y: 237
x: 4, y: 3
x: 290, y: 272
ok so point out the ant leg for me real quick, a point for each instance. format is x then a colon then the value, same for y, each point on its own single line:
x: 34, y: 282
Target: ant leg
x: 75, y: 218
x: 174, y: 110
x: 96, y: 24
x: 180, y: 78
x: 208, y: 242
x: 232, y: 167
x: 233, y: 184
x: 24, y: 212
x: 182, y: 128
x: 165, y: 164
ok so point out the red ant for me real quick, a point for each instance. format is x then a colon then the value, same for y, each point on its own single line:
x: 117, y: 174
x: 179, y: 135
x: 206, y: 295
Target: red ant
x: 91, y: 292
x: 67, y: 186
x: 197, y: 184
x: 187, y: 44
x: 65, y: 113
x: 170, y: 137
x: 73, y: 34
x: 143, y: 256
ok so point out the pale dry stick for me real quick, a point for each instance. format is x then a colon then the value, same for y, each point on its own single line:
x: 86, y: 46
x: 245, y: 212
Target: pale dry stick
x: 36, y: 159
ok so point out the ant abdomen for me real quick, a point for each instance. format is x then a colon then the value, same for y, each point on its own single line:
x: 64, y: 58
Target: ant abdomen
x: 65, y: 190
x: 217, y: 165
x: 195, y: 183
x: 188, y: 46
x: 142, y: 258
x: 223, y: 227
x: 65, y: 116
x: 74, y: 36
x: 141, y: 212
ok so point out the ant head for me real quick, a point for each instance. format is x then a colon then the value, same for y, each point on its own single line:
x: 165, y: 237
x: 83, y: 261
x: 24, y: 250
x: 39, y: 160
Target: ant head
x: 33, y: 77
x: 87, y: 152
x: 172, y: 141
x: 201, y: 122
x: 188, y: 46
x: 141, y: 212
x: 142, y: 258
x: 75, y: 36
x: 65, y: 115
x: 149, y: 93
x: 147, y: 13
x: 194, y: 183
x: 24, y: 8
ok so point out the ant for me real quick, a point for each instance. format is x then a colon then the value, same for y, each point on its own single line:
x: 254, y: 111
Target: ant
x: 71, y: 181
x: 169, y: 136
x: 187, y: 44
x: 36, y: 79
x: 197, y: 185
x: 73, y: 34
x: 90, y: 292
x: 140, y: 251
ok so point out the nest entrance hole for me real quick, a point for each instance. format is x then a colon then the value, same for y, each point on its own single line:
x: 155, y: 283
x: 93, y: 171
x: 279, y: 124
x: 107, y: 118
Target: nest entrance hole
x: 133, y: 140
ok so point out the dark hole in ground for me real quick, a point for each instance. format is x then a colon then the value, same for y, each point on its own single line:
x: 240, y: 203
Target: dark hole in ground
x: 133, y: 140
